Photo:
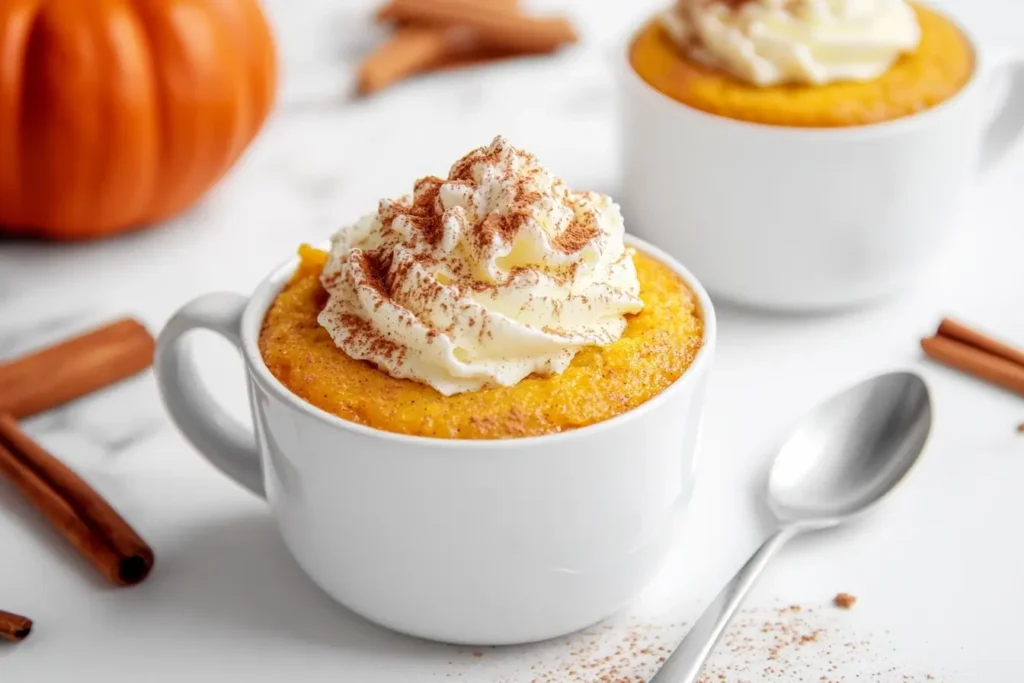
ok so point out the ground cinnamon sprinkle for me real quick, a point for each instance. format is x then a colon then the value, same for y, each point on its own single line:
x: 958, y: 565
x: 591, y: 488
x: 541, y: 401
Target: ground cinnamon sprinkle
x: 503, y: 228
x: 362, y: 332
x: 497, y: 227
x: 764, y: 645
x: 463, y: 168
x: 423, y: 212
x: 577, y: 235
x: 376, y: 266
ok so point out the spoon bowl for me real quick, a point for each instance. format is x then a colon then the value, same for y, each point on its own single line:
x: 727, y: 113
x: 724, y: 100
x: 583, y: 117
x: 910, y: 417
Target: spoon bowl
x: 851, y: 451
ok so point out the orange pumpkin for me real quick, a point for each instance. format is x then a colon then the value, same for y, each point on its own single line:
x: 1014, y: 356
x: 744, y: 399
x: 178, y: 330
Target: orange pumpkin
x: 119, y: 113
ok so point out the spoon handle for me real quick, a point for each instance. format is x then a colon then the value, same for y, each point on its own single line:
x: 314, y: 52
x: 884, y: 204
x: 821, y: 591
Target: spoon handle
x: 685, y: 664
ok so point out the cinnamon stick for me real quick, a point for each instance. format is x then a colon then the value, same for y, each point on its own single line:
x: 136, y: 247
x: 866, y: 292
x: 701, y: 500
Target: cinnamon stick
x: 77, y: 511
x: 975, y: 361
x: 496, y: 25
x: 418, y: 49
x: 411, y: 50
x: 961, y: 332
x: 476, y: 57
x: 386, y: 12
x: 59, y: 374
x: 14, y: 627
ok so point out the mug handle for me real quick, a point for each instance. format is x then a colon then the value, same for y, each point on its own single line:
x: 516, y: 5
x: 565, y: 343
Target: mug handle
x: 224, y: 441
x: 1008, y: 121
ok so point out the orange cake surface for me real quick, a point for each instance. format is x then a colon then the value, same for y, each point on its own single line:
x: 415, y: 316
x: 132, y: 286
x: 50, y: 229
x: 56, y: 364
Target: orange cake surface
x: 658, y: 345
x: 942, y: 64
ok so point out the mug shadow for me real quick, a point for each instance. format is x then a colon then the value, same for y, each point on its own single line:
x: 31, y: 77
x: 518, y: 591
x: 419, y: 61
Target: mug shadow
x: 738, y: 323
x: 237, y: 575
x: 728, y: 311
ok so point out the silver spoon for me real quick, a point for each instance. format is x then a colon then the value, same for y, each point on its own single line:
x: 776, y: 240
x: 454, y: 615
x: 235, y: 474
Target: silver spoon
x: 845, y: 457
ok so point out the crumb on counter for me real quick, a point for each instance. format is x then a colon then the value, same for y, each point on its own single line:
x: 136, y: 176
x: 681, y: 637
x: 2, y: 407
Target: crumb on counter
x: 844, y: 600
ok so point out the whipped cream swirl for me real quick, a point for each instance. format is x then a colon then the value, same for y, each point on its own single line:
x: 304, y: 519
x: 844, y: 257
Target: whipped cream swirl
x: 483, y: 278
x: 808, y: 42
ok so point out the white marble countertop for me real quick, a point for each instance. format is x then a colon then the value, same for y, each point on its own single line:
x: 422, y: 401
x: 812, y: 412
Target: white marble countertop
x: 937, y: 571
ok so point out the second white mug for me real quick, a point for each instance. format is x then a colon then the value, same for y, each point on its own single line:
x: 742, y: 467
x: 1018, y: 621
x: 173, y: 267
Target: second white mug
x: 799, y: 218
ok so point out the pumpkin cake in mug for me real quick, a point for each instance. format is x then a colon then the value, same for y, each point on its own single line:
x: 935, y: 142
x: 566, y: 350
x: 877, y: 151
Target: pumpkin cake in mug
x: 494, y: 303
x: 805, y: 63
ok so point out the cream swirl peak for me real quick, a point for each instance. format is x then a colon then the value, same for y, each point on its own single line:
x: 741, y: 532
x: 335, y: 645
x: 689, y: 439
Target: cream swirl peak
x: 810, y: 42
x: 482, y: 278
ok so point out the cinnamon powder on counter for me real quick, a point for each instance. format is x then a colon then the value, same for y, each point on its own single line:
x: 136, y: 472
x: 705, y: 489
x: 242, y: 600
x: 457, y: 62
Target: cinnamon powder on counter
x: 764, y: 645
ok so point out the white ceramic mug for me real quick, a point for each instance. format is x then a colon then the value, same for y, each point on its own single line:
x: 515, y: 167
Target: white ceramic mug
x: 809, y: 219
x: 471, y: 542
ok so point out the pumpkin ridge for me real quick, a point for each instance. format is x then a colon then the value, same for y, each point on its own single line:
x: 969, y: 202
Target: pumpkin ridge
x: 17, y: 22
x: 129, y: 131
x: 161, y: 122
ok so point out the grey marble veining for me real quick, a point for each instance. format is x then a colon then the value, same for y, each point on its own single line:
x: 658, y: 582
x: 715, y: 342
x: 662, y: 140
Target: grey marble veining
x: 19, y: 338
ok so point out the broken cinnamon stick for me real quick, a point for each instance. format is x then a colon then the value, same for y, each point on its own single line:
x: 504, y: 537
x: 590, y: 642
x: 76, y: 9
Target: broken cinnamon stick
x: 74, y: 509
x: 495, y: 24
x: 59, y: 374
x: 14, y: 627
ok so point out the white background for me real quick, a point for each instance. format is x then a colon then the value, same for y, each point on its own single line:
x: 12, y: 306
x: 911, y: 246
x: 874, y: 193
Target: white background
x: 938, y: 570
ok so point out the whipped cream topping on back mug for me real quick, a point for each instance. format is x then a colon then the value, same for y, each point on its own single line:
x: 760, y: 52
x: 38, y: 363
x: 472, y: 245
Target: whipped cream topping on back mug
x: 808, y: 42
x: 482, y: 278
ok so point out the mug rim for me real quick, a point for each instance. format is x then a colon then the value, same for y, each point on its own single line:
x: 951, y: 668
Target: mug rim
x: 263, y: 296
x: 866, y: 130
